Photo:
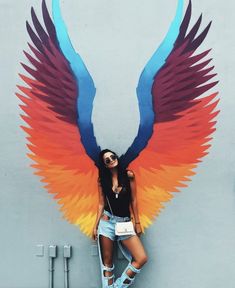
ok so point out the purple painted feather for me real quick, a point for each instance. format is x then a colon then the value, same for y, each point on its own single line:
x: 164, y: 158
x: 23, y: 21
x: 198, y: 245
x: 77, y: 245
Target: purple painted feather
x: 182, y: 78
x: 48, y: 23
x: 184, y: 25
x: 40, y: 31
x: 191, y: 35
x: 197, y: 42
x: 52, y: 71
x: 35, y: 39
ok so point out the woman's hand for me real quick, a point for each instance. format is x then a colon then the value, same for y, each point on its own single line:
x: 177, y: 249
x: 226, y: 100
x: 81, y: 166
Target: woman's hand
x: 138, y: 229
x: 94, y: 233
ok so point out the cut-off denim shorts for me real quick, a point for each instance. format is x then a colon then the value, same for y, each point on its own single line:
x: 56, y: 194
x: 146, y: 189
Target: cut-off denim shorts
x: 107, y: 228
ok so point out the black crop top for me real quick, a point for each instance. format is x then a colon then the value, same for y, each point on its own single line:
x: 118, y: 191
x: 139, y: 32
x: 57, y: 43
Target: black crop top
x: 120, y: 204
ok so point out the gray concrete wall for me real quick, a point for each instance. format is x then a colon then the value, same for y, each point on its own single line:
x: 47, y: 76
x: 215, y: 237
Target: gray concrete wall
x: 192, y: 244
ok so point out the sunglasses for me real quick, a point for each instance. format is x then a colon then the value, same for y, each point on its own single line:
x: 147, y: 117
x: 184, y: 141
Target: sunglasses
x: 108, y: 160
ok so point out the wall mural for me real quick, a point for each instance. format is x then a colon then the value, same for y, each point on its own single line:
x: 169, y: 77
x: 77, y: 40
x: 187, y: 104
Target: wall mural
x: 176, y: 117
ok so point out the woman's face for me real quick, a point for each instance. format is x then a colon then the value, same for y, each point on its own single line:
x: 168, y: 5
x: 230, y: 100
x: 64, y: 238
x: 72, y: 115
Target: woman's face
x: 110, y: 160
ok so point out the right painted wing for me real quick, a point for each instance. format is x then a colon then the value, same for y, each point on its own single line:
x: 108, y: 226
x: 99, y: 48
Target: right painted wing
x: 50, y: 106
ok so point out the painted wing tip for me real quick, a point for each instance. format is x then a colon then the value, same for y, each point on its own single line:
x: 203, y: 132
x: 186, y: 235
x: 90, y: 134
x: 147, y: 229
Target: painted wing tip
x: 27, y: 25
x: 32, y: 10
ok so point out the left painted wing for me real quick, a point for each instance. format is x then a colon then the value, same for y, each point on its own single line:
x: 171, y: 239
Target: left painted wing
x: 144, y: 88
x: 50, y: 106
x: 182, y: 122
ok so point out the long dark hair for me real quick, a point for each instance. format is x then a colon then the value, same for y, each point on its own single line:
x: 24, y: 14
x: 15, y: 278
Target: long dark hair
x: 105, y: 176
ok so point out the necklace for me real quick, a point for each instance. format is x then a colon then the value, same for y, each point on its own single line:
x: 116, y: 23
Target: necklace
x: 116, y: 191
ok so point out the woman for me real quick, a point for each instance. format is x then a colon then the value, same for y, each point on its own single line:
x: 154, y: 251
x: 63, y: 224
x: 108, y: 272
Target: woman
x: 117, y: 195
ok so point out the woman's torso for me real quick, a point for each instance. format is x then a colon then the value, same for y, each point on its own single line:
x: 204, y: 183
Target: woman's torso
x: 119, y: 202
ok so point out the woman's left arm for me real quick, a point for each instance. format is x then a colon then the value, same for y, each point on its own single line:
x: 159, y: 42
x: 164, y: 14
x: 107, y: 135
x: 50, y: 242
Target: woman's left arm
x: 134, y: 205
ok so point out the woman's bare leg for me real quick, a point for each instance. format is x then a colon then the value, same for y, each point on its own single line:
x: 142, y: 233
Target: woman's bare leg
x: 106, y: 249
x: 139, y: 256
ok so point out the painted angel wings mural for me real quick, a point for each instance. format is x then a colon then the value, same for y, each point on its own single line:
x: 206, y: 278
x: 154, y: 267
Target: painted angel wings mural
x: 177, y: 117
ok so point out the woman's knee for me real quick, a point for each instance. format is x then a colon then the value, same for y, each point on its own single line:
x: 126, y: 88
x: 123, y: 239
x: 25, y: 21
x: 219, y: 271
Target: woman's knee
x: 108, y: 264
x: 142, y: 260
x: 107, y: 259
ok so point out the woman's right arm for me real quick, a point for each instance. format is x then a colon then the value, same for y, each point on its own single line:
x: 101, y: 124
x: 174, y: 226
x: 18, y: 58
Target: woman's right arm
x: 99, y: 211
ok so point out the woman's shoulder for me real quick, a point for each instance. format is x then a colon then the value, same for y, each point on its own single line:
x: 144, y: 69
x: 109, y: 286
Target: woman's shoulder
x: 130, y: 174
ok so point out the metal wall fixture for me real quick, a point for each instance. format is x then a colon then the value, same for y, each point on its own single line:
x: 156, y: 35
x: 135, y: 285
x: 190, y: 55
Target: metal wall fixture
x: 52, y: 255
x: 67, y: 255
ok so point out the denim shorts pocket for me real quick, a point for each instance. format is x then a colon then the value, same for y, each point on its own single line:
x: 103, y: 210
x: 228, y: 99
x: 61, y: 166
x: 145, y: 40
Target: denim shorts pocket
x: 105, y: 218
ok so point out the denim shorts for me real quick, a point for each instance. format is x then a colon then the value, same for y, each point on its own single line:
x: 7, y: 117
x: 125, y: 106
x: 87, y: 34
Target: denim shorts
x: 107, y: 228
